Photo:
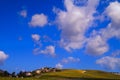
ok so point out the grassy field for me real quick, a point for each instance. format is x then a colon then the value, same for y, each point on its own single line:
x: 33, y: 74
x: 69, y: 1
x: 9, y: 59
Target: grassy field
x: 71, y: 75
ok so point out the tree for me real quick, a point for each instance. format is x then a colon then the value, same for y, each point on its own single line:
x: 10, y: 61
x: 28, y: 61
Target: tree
x: 6, y: 74
x: 13, y: 74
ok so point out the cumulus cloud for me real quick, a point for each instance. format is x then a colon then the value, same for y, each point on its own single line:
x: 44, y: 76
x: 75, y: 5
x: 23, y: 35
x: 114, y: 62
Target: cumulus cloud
x: 113, y: 10
x: 3, y: 57
x: 59, y: 66
x: 70, y: 60
x: 67, y: 61
x: 74, y: 22
x: 35, y: 37
x: 96, y: 45
x: 49, y: 50
x: 23, y: 13
x: 73, y: 29
x: 38, y: 20
x: 109, y: 62
x: 113, y: 29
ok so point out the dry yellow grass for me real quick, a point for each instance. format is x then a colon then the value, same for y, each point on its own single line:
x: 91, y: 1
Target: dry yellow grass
x: 71, y: 74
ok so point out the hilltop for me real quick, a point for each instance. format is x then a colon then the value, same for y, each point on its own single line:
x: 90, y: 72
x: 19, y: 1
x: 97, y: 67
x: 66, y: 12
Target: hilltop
x: 83, y: 74
x: 63, y: 74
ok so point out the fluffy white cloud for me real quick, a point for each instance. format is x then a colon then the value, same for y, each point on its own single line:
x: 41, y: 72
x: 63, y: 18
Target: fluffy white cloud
x: 38, y: 20
x: 70, y: 59
x: 113, y: 28
x: 59, y: 66
x: 109, y: 62
x: 67, y: 61
x: 23, y: 13
x: 113, y: 10
x: 49, y: 50
x: 73, y: 29
x: 96, y: 45
x: 3, y: 57
x: 35, y: 37
x: 74, y: 22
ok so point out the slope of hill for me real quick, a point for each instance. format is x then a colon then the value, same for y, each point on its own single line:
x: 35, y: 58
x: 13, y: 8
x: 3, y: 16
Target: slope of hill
x: 71, y: 75
x: 83, y: 74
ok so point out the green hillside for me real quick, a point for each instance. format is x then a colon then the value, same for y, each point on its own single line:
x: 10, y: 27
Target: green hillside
x: 71, y: 75
x: 88, y: 74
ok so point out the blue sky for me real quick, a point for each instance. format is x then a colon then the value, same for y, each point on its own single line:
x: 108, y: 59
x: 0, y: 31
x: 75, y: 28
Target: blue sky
x: 79, y: 34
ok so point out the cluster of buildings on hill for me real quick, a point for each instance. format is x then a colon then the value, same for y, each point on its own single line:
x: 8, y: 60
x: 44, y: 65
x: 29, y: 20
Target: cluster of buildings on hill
x: 29, y: 73
x: 38, y: 72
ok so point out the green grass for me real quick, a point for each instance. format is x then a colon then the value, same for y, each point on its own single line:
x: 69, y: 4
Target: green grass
x: 88, y: 74
x: 71, y: 75
x: 31, y: 78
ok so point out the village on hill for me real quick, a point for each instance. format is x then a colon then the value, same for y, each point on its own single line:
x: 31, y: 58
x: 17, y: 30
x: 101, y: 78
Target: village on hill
x: 29, y: 73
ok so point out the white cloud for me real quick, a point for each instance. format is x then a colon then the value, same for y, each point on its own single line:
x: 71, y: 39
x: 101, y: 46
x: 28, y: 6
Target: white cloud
x: 49, y: 50
x: 3, y: 57
x: 73, y: 29
x: 74, y: 22
x: 113, y: 10
x: 113, y: 29
x: 109, y: 62
x: 23, y: 13
x: 35, y: 37
x: 67, y: 61
x: 70, y: 59
x: 59, y: 66
x: 96, y: 45
x: 38, y: 20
